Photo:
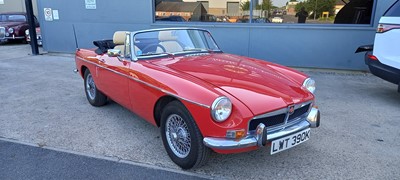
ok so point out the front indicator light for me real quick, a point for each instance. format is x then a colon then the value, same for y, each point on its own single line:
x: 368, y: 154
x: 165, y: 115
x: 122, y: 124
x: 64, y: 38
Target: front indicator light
x: 235, y: 134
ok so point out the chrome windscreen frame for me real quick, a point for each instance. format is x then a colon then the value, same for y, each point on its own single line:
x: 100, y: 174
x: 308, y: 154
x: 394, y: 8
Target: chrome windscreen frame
x: 133, y: 34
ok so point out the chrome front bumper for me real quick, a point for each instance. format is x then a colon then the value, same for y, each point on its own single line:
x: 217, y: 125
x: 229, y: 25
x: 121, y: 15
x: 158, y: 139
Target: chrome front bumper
x: 261, y: 137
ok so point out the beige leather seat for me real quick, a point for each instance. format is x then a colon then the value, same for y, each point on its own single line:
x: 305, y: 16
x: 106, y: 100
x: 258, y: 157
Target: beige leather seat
x: 169, y: 42
x: 119, y: 41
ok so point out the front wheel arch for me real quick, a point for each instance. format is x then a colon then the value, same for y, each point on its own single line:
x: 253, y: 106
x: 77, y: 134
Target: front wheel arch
x: 198, y: 153
x: 159, y: 107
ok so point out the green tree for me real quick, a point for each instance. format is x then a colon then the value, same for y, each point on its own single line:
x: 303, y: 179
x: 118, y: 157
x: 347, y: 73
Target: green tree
x: 245, y: 6
x: 322, y: 5
x: 266, y: 5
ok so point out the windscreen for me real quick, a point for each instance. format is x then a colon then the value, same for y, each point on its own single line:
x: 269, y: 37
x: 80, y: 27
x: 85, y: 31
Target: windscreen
x: 174, y: 41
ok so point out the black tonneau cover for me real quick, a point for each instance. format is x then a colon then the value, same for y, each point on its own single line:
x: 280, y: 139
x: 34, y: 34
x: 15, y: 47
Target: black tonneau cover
x: 103, y: 46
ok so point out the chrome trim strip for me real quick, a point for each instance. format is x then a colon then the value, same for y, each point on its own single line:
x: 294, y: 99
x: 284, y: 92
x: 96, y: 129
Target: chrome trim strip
x: 16, y: 37
x: 145, y: 83
x: 281, y: 111
x: 273, y: 113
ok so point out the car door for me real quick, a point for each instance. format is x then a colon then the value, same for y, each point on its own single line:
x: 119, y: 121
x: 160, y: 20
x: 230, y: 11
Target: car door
x: 113, y: 78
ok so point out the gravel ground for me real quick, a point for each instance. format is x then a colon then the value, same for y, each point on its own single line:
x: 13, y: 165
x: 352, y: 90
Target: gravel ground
x: 43, y: 102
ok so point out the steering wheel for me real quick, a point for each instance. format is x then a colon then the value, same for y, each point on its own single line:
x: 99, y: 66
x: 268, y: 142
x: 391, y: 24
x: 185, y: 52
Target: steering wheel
x: 152, y: 46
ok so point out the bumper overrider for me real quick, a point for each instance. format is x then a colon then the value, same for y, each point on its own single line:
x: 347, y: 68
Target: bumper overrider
x: 261, y: 136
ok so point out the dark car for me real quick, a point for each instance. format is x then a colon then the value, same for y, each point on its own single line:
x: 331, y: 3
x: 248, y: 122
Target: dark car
x: 355, y: 12
x: 171, y: 18
x: 255, y: 20
x: 208, y: 18
x: 13, y: 26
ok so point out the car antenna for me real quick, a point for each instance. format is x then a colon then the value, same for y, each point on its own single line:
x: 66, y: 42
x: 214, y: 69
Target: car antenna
x: 76, y: 40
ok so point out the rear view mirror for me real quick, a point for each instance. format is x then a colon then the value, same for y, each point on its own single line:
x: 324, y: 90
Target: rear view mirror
x: 113, y: 52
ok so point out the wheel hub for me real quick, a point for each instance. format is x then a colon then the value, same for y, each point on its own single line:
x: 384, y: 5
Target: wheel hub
x: 175, y: 137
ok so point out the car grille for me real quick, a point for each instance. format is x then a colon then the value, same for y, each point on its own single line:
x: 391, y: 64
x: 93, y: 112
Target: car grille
x: 2, y: 32
x: 280, y: 119
x: 299, y: 112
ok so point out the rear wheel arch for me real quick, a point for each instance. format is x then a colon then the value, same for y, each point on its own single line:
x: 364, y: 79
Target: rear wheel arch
x: 160, y: 105
x: 83, y: 69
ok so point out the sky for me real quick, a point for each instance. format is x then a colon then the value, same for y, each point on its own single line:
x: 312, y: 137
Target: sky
x: 280, y: 3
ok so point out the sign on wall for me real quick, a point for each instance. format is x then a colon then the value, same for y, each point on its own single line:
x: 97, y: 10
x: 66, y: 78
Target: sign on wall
x: 90, y: 4
x: 55, y: 15
x: 48, y: 14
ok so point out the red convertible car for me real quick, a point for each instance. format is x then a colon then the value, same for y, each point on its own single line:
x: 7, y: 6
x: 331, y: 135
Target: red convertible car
x: 201, y: 98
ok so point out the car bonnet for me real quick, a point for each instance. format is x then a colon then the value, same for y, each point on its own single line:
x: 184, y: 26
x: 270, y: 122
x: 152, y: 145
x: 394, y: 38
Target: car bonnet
x: 259, y: 87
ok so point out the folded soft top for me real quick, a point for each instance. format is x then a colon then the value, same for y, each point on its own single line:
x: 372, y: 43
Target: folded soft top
x: 103, y: 46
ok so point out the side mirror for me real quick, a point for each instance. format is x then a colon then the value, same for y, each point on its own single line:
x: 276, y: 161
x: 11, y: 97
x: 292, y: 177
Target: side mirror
x: 114, y: 52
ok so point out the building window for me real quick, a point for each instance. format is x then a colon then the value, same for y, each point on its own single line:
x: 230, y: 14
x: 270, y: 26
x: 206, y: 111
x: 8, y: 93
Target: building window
x: 267, y: 11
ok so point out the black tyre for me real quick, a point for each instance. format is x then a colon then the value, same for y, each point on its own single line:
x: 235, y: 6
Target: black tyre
x: 181, y: 137
x: 94, y: 96
x: 24, y: 41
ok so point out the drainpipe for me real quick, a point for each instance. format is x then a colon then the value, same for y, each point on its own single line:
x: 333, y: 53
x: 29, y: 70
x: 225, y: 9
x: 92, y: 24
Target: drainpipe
x: 32, y: 27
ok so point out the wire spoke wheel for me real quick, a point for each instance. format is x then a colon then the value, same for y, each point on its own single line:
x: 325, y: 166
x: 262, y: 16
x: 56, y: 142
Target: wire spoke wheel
x: 178, y: 136
x: 90, y: 87
x: 93, y: 95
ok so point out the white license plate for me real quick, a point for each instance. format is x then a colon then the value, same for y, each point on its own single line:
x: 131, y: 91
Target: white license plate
x: 290, y: 141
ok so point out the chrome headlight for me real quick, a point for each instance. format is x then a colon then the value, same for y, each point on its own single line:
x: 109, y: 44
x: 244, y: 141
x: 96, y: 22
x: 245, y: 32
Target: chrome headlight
x: 27, y: 32
x: 10, y: 30
x: 221, y: 109
x: 309, y: 84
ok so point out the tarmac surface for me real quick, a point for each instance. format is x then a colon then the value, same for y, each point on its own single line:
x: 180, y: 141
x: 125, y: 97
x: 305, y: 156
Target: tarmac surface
x: 43, y: 103
x: 23, y: 161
